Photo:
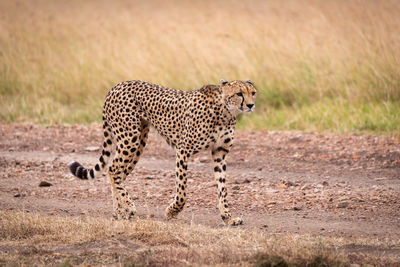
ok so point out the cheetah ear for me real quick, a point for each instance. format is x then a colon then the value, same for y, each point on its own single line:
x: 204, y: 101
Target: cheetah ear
x: 249, y: 81
x: 223, y: 82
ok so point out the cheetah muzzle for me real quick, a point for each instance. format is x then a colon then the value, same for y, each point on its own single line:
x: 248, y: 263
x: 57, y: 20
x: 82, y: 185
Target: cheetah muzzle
x: 203, y: 119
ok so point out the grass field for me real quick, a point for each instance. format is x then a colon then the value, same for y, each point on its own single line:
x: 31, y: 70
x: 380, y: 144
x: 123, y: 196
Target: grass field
x: 86, y: 241
x: 319, y: 65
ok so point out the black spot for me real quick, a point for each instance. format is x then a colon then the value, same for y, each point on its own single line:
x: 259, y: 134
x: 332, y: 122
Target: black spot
x: 224, y: 167
x: 217, y: 169
x: 227, y: 140
x: 91, y: 173
x: 97, y: 167
x: 222, y: 149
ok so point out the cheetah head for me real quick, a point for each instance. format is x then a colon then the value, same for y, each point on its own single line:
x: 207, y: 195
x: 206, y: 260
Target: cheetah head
x: 239, y: 96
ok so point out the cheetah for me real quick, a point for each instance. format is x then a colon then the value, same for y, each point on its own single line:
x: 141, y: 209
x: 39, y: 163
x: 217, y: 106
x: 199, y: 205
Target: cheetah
x: 191, y: 122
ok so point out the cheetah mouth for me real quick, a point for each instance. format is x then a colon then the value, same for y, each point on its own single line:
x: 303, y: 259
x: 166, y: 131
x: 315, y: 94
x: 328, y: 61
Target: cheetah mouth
x: 249, y: 110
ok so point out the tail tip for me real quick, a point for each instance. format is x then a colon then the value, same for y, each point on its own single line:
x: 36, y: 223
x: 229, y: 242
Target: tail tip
x: 73, y: 166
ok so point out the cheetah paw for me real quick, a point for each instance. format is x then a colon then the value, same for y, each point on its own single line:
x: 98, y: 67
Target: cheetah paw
x: 234, y: 221
x: 124, y: 213
x: 171, y: 213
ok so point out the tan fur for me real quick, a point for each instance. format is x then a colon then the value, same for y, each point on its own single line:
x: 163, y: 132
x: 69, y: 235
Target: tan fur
x: 204, y: 119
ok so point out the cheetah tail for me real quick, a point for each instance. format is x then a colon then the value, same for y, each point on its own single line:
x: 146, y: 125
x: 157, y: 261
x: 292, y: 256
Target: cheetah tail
x: 83, y: 173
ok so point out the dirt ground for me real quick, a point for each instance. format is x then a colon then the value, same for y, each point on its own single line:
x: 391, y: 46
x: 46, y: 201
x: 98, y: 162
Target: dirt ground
x: 318, y: 184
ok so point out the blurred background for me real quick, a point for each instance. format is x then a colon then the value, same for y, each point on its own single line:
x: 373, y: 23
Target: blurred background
x: 318, y: 65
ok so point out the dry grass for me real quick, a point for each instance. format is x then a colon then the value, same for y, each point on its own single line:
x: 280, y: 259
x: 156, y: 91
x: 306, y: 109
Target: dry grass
x: 58, y: 58
x: 41, y: 239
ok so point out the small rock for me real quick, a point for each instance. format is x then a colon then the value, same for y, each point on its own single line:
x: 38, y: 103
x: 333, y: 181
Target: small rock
x: 298, y: 207
x: 306, y: 186
x: 271, y: 191
x: 325, y: 183
x: 236, y: 187
x: 282, y: 186
x: 149, y: 177
x: 17, y: 195
x: 92, y: 148
x: 246, y: 181
x: 289, y: 183
x: 343, y: 204
x: 204, y: 159
x: 45, y: 184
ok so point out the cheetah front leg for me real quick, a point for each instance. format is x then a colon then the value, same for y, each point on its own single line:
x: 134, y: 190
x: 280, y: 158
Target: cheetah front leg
x: 219, y: 165
x: 180, y: 198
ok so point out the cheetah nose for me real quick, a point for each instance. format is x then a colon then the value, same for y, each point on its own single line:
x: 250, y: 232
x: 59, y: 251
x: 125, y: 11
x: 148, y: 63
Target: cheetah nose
x: 250, y: 105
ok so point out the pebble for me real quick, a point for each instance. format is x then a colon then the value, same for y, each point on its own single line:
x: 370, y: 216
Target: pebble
x: 343, y: 204
x: 282, y: 186
x: 44, y: 184
x: 298, y: 207
x: 306, y: 186
x: 17, y: 195
x: 92, y: 148
x: 236, y: 187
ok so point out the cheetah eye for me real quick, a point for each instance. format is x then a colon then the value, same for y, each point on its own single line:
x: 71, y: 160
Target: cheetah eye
x: 253, y: 93
x: 239, y: 94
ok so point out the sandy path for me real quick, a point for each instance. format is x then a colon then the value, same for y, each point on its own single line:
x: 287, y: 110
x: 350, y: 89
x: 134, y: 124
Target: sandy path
x: 336, y: 185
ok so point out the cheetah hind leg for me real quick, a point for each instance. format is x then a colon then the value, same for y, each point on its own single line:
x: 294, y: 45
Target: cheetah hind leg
x: 124, y: 208
x: 121, y: 167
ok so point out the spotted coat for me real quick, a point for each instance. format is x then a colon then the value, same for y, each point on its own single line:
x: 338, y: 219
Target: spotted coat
x: 194, y: 121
